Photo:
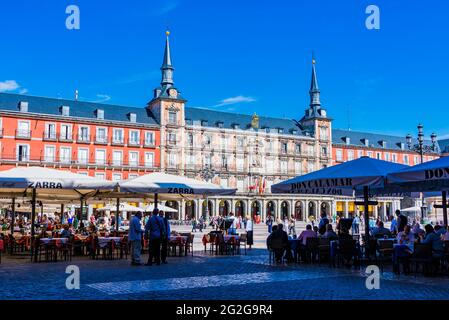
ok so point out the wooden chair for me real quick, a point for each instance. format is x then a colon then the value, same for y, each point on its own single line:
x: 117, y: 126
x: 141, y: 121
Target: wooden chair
x: 189, y: 243
x: 385, y: 249
x: 346, y: 251
x: 243, y: 240
x: 422, y: 255
x: 311, y: 249
x: 323, y: 249
x: 276, y: 244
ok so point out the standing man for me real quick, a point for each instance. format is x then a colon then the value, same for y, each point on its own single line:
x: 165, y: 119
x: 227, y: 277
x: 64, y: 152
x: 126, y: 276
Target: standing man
x: 164, y: 240
x: 135, y: 237
x: 401, y: 221
x: 269, y: 223
x: 155, y: 229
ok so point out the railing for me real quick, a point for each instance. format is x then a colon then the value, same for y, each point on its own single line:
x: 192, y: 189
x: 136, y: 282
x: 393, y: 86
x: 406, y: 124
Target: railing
x: 132, y: 142
x: 23, y: 134
x: 49, y: 136
x: 66, y: 161
x: 83, y: 139
x: 149, y: 143
x: 101, y: 140
x: 65, y: 137
x: 118, y: 142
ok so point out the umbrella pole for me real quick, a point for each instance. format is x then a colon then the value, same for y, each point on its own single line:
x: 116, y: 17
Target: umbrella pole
x: 81, y: 210
x: 13, y: 217
x: 33, y: 216
x: 116, y: 217
x: 155, y: 201
x: 445, y: 208
x: 366, y: 203
x: 62, y: 212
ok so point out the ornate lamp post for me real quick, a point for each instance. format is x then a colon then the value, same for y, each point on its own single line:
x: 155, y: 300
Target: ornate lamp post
x: 422, y: 149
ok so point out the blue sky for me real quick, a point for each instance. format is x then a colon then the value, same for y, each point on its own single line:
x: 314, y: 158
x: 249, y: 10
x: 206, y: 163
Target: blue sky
x: 240, y: 55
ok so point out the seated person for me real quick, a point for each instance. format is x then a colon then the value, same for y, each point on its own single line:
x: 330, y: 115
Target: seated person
x: 270, y: 236
x: 417, y: 230
x: 66, y: 232
x: 440, y: 230
x: 344, y: 234
x: 308, y: 233
x: 406, y: 237
x: 330, y: 234
x: 434, y: 240
x: 446, y: 235
x: 278, y: 242
x: 381, y: 231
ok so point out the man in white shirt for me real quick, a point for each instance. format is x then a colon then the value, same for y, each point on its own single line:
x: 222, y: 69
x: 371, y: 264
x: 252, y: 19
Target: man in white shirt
x: 249, y: 231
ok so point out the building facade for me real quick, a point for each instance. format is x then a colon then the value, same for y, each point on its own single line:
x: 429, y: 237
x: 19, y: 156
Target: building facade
x: 245, y: 152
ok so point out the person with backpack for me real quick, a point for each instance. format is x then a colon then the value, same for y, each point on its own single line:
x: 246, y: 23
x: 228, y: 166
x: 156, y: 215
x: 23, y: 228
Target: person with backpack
x: 155, y: 231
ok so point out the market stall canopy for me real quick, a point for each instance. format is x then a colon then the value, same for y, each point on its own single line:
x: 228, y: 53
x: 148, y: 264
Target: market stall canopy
x: 50, y: 183
x: 429, y: 176
x: 150, y: 208
x: 340, y: 179
x: 123, y: 207
x: 173, y: 185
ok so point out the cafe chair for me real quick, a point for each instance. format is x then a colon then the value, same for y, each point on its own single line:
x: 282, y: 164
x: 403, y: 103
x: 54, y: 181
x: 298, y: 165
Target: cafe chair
x: 243, y: 240
x: 346, y: 252
x: 311, y: 251
x: 385, y: 252
x: 323, y: 249
x: 422, y: 256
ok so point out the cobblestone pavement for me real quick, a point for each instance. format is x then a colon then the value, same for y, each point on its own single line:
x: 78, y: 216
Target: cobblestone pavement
x: 208, y: 277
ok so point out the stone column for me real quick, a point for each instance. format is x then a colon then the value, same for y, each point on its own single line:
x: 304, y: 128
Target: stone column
x: 182, y: 214
x: 384, y: 211
x: 216, y: 207
x: 264, y: 210
x: 376, y: 212
x: 306, y: 210
x: 292, y: 208
x: 277, y: 210
x: 346, y: 209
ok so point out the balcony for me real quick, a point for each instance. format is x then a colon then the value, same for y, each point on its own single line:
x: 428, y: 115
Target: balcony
x: 23, y: 134
x: 101, y: 140
x: 118, y: 142
x: 149, y: 144
x: 49, y: 136
x: 83, y: 139
x: 81, y: 162
x: 133, y: 142
x: 67, y: 137
x: 1, y: 132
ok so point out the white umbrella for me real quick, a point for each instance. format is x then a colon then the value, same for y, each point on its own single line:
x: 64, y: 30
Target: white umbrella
x: 151, y: 207
x: 51, y: 183
x: 162, y: 183
x: 123, y: 207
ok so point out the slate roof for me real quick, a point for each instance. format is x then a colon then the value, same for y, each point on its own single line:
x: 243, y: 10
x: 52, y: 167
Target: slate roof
x: 444, y: 145
x: 374, y: 139
x: 228, y: 119
x: 81, y: 109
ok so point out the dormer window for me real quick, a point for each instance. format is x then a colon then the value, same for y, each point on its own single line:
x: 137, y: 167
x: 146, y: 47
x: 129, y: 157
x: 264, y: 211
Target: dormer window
x: 280, y: 130
x: 100, y: 114
x: 383, y: 143
x: 401, y: 145
x: 23, y: 106
x: 65, y: 111
x: 365, y: 142
x: 204, y: 123
x: 219, y: 124
x: 235, y: 126
x: 347, y: 140
x: 132, y: 117
x: 293, y: 131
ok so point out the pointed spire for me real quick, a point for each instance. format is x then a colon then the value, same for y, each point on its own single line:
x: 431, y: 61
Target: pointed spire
x: 167, y: 68
x: 314, y: 90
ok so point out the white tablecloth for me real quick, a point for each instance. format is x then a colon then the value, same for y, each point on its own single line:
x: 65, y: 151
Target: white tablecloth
x: 103, y: 242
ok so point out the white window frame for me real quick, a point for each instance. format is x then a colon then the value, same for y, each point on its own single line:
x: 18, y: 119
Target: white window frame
x: 69, y: 133
x: 97, y: 138
x: 83, y: 161
x: 152, y: 141
x: 131, y: 141
x: 21, y: 133
x: 132, y: 164
x: 114, y: 140
x: 147, y: 164
x: 27, y: 156
x: 80, y: 136
x: 47, y: 147
x: 105, y: 156
x: 61, y: 158
x: 114, y: 160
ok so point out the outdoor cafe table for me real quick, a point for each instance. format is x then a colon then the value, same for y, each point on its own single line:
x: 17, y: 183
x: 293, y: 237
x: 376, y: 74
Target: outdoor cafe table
x: 104, y: 241
x: 179, y: 241
x: 57, y: 241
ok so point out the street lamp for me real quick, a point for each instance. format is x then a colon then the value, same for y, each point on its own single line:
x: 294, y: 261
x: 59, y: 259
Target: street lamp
x: 207, y: 173
x: 422, y: 149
